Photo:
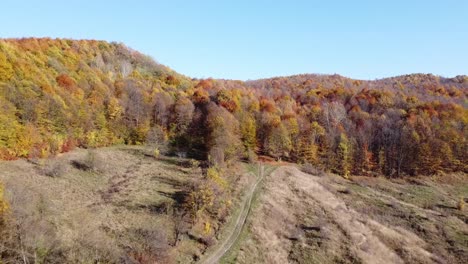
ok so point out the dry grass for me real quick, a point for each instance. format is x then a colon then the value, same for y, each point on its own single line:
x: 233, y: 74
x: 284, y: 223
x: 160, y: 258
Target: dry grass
x: 307, y: 219
x: 119, y: 205
x: 108, y: 205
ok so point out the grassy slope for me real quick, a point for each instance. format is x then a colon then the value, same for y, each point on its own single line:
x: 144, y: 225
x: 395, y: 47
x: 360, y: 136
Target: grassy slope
x: 230, y: 256
x: 100, y: 215
x: 301, y: 230
x: 105, y: 215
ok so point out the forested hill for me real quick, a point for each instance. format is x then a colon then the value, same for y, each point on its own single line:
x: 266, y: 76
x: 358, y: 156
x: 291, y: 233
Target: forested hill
x: 56, y: 94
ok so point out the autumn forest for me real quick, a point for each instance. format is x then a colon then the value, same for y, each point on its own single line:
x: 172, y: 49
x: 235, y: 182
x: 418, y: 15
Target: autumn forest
x: 58, y: 94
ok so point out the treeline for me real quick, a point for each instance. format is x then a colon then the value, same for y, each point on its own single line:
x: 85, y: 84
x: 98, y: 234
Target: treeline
x: 58, y: 94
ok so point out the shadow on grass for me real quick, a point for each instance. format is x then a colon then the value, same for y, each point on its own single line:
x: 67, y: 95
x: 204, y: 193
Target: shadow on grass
x: 170, y: 160
x: 179, y: 197
x: 443, y: 206
x: 171, y: 182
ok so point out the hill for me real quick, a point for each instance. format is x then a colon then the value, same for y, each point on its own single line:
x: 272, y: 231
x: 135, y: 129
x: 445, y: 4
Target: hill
x: 56, y: 94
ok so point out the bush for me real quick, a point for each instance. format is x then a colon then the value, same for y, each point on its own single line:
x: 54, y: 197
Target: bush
x: 461, y: 204
x: 214, y: 175
x: 3, y: 204
x: 156, y: 153
x: 311, y: 169
x: 251, y: 156
x: 194, y: 163
x: 54, y: 168
x: 191, y: 163
x: 91, y: 162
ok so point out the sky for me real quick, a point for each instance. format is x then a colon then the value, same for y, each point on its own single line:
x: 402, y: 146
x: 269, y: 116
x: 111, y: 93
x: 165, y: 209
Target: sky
x: 251, y: 39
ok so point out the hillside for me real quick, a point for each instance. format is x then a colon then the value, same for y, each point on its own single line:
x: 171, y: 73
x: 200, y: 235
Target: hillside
x: 321, y: 218
x: 58, y: 94
x: 110, y: 205
x: 109, y: 157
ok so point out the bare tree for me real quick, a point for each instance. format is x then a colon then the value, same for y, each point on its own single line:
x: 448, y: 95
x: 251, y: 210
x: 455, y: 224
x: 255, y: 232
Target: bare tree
x: 334, y: 112
x: 126, y: 68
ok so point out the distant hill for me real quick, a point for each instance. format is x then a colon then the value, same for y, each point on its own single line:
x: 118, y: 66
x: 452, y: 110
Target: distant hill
x: 56, y: 94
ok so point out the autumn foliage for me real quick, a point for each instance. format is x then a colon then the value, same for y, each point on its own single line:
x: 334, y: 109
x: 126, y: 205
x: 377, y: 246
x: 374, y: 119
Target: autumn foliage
x: 56, y: 94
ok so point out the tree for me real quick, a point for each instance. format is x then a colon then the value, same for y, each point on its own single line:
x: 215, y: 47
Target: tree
x: 278, y: 143
x: 344, y: 154
x: 6, y: 69
x: 200, y: 199
x: 228, y: 100
x: 66, y: 82
x: 113, y: 109
x: 162, y: 107
x: 200, y: 96
x: 248, y: 132
x: 136, y: 107
x: 157, y: 138
x: 183, y: 113
x: 308, y: 143
x: 223, y: 141
x: 14, y: 138
x: 334, y: 113
x: 96, y: 93
x: 126, y: 68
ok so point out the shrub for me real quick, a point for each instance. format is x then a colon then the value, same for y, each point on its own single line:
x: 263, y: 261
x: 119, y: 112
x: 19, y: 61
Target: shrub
x: 461, y: 204
x: 191, y: 163
x: 313, y: 170
x: 214, y: 175
x: 3, y: 204
x: 54, y: 168
x: 251, y: 156
x: 91, y: 162
x: 5, y: 228
x: 194, y: 163
x: 156, y: 153
x: 156, y: 137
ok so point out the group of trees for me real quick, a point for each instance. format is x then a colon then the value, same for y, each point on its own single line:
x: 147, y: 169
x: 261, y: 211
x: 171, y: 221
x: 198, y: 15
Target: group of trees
x: 58, y: 94
x: 398, y: 126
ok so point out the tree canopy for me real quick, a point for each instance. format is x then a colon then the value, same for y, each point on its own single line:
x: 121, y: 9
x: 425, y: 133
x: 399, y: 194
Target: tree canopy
x: 56, y: 94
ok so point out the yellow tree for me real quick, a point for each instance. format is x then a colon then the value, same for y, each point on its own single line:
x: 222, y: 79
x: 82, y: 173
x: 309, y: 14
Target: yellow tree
x: 6, y: 70
x: 308, y: 147
x: 344, y: 156
x: 223, y: 140
x: 278, y: 142
x: 248, y: 132
x: 3, y: 211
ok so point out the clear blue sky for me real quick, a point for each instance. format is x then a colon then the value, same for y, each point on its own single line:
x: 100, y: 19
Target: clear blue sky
x: 240, y: 39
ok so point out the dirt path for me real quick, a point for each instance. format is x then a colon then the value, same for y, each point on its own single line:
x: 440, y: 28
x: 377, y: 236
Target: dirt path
x: 225, y: 245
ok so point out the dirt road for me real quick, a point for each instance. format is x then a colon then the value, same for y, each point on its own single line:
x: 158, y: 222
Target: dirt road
x: 225, y: 245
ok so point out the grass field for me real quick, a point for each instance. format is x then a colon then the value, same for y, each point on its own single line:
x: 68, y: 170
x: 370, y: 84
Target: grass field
x: 301, y: 218
x: 119, y: 205
x: 100, y: 206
